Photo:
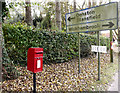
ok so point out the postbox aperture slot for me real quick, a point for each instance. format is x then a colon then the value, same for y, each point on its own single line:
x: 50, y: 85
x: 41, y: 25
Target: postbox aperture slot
x: 40, y: 52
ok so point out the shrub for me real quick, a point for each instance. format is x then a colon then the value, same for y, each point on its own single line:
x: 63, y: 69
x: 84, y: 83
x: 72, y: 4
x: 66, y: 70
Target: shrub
x: 58, y: 46
x: 9, y: 70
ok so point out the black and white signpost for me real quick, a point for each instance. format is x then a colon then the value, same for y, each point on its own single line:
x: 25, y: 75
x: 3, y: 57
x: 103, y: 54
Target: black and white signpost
x: 99, y: 18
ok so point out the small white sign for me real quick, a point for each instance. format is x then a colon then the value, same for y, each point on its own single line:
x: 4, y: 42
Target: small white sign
x: 38, y: 63
x: 94, y: 48
x: 102, y: 49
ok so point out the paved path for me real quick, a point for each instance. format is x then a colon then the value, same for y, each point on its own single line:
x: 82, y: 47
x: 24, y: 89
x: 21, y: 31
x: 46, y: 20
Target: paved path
x: 114, y: 85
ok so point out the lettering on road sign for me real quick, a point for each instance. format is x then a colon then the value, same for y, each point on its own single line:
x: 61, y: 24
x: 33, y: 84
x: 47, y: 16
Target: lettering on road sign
x: 88, y: 18
x: 84, y: 27
x: 85, y: 13
x: 82, y: 16
x: 106, y: 25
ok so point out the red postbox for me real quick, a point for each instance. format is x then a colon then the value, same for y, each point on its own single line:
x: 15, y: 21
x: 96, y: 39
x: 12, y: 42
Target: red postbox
x: 35, y: 59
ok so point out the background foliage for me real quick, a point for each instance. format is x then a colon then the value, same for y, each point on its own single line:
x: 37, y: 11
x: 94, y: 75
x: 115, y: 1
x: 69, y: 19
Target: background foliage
x: 58, y: 46
x: 5, y: 11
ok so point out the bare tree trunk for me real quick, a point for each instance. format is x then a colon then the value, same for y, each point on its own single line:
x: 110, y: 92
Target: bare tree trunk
x: 74, y: 5
x: 89, y: 4
x: 58, y: 14
x: 66, y: 7
x: 100, y: 2
x: 28, y: 12
x: 1, y: 44
x: 94, y: 3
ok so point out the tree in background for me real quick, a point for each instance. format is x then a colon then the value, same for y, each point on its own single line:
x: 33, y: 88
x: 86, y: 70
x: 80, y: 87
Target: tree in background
x: 48, y: 20
x: 74, y: 5
x: 45, y: 20
x: 28, y: 12
x: 66, y: 6
x: 58, y: 14
x: 52, y: 17
x: 94, y: 3
x: 5, y: 10
x: 64, y: 10
x: 37, y: 19
x: 89, y: 3
x: 46, y: 23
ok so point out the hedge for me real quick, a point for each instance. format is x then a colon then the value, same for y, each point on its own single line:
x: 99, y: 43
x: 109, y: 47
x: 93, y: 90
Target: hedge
x: 58, y: 46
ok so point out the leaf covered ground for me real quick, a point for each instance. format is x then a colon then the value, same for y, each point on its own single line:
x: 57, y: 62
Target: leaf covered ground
x: 65, y: 76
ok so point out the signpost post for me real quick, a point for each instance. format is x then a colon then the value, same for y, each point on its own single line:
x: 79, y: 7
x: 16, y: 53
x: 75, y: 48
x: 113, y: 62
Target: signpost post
x: 79, y: 49
x: 103, y: 17
x: 34, y: 82
x: 98, y: 43
x: 111, y: 47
